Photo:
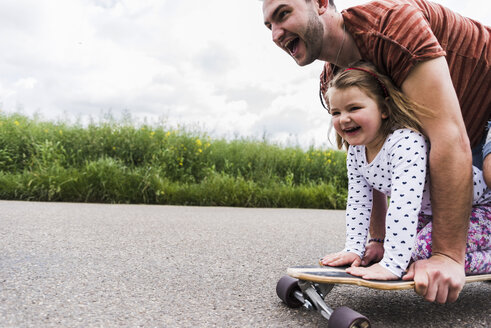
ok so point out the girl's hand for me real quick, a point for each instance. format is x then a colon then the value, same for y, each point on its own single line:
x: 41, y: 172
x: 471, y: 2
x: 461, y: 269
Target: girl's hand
x: 340, y: 259
x: 374, y: 252
x: 374, y: 272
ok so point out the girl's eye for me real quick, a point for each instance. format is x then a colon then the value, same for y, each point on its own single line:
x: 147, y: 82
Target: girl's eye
x: 354, y: 108
x: 334, y: 113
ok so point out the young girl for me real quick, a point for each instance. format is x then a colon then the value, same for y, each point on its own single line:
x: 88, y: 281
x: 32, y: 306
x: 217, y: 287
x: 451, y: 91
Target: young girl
x: 386, y: 152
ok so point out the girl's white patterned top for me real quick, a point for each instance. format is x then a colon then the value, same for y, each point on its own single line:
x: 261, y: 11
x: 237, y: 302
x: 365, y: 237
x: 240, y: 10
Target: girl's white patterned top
x: 400, y: 171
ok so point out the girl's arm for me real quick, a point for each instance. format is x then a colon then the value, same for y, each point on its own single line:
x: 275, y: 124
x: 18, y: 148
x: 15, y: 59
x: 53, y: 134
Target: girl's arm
x: 358, y: 209
x: 407, y: 156
x: 359, y: 204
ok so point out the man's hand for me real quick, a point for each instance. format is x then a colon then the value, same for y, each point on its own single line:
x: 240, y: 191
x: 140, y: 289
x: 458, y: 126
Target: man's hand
x: 439, y: 278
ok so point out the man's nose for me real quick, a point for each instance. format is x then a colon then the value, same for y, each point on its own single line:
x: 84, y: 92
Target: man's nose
x: 278, y: 33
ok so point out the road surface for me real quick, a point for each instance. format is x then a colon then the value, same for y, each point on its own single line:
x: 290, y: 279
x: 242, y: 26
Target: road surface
x: 93, y: 265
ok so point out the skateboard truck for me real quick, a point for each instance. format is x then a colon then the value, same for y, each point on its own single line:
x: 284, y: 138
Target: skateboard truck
x: 315, y: 294
x: 296, y: 293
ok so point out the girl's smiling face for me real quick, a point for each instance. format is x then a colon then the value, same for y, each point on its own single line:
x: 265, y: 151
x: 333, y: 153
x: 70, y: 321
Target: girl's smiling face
x: 357, y: 118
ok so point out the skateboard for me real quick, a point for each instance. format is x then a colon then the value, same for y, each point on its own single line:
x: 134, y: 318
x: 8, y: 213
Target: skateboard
x: 308, y: 286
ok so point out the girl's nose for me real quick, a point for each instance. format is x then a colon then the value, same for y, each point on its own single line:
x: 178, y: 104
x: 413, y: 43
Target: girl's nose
x: 345, y: 118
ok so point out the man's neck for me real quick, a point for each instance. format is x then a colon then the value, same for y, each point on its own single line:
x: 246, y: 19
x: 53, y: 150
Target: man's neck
x: 342, y: 50
x: 349, y: 53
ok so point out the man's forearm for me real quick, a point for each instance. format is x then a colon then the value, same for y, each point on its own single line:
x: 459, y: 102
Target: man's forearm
x: 430, y: 85
x: 451, y: 200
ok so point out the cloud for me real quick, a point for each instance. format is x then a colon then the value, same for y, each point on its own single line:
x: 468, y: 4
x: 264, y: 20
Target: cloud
x: 210, y: 64
x: 258, y: 99
x: 215, y: 59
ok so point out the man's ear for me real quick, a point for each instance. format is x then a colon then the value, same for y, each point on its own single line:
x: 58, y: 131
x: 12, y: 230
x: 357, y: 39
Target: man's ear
x: 322, y: 6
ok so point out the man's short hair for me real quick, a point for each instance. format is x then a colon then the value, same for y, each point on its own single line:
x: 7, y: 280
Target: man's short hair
x: 331, y: 3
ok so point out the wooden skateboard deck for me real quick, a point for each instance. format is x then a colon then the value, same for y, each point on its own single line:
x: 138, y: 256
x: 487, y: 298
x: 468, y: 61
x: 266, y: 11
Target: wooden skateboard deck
x: 337, y: 275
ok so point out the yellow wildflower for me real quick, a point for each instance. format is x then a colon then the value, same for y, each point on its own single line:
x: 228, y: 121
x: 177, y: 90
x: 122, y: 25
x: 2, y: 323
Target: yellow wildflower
x: 16, y: 123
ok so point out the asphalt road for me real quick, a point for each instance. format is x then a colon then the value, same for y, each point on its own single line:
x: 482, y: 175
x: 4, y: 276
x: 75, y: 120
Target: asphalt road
x: 91, y: 265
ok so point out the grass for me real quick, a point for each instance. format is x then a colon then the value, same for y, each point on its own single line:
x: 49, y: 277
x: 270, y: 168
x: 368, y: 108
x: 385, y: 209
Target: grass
x: 118, y: 162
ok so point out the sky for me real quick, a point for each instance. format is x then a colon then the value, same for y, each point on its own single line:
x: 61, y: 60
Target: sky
x: 209, y: 66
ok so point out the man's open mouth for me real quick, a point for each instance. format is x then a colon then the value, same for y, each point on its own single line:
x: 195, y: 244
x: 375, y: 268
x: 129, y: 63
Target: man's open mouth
x: 292, y: 46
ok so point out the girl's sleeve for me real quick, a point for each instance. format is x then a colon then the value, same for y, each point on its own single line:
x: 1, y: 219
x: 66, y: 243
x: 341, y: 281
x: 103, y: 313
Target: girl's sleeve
x: 407, y: 155
x: 359, y: 205
x: 482, y: 194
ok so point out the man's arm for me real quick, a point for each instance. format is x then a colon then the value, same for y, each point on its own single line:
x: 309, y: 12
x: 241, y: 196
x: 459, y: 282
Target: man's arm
x: 442, y: 277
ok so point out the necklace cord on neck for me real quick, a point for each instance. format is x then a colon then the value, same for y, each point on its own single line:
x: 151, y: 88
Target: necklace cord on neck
x: 341, y: 47
x: 321, y: 96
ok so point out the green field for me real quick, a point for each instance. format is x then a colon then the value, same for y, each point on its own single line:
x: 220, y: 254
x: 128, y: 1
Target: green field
x: 116, y: 162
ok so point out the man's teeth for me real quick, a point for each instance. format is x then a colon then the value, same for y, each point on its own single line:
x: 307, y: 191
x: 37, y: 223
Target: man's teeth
x: 290, y: 45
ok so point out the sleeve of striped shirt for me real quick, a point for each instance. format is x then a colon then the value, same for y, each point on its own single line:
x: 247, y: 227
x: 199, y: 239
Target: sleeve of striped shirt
x: 406, y: 39
x: 395, y: 38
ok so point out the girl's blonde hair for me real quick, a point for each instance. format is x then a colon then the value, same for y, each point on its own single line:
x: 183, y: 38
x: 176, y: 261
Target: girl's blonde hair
x: 401, y: 112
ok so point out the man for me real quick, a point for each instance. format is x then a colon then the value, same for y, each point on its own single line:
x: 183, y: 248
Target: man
x: 398, y: 36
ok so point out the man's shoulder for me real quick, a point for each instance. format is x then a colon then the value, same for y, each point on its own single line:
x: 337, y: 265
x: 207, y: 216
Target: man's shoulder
x: 383, y: 5
x: 378, y: 14
x: 378, y: 5
x: 394, y: 35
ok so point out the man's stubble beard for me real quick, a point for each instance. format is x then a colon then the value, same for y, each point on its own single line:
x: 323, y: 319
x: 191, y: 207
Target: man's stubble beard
x: 313, y: 39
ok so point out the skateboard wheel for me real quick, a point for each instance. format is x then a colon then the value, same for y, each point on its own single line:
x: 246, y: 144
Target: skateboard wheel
x: 285, y: 289
x: 344, y: 317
